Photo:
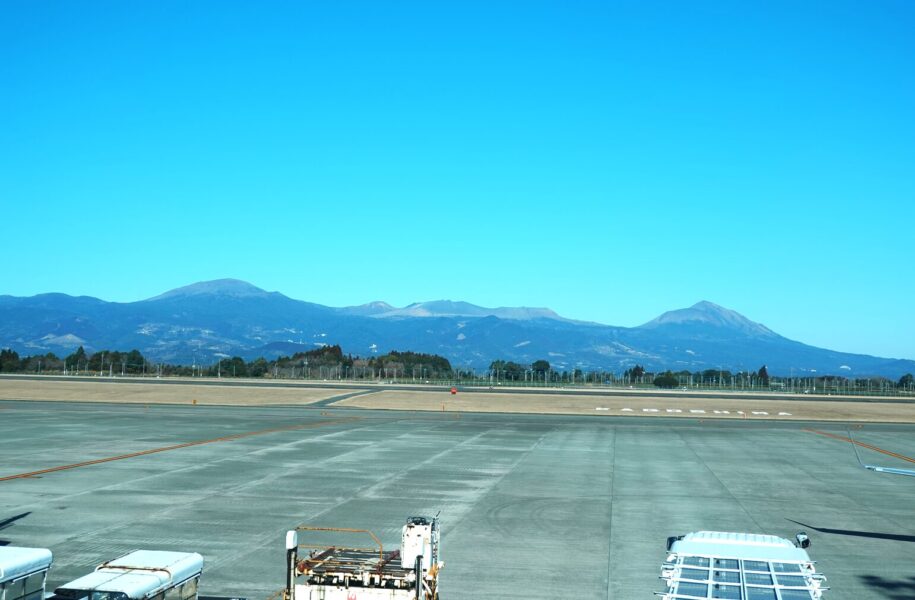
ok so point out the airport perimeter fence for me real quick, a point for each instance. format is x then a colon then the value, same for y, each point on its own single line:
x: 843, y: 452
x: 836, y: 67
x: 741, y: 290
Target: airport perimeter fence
x: 361, y: 376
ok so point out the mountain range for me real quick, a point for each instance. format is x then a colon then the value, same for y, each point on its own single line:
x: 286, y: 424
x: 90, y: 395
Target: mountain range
x: 227, y: 317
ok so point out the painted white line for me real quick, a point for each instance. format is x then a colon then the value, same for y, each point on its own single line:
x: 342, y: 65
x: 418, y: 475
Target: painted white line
x: 601, y: 408
x: 696, y: 411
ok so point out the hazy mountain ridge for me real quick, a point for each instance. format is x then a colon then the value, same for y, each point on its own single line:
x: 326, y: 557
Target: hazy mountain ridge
x: 204, y: 321
x: 449, y: 308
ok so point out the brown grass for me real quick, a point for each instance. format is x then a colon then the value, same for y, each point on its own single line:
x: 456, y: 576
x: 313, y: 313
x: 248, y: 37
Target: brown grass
x: 812, y: 410
x: 149, y: 393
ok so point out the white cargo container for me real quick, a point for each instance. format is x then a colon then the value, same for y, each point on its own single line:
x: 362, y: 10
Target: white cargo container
x: 140, y: 575
x: 23, y: 572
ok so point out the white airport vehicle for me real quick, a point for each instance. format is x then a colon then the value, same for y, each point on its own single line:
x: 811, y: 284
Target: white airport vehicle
x: 341, y: 573
x: 23, y: 572
x: 139, y: 575
x: 740, y: 566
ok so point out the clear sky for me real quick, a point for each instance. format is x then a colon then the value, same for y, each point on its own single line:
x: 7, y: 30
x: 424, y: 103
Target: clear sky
x: 609, y: 160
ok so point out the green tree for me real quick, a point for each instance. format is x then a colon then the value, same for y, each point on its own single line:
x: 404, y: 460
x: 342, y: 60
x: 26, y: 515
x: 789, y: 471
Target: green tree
x: 135, y: 361
x: 76, y: 358
x: 508, y: 370
x: 9, y: 361
x: 763, y: 375
x: 100, y: 360
x: 540, y: 366
x: 258, y: 368
x: 666, y: 380
x: 906, y: 380
x: 634, y: 372
x: 231, y: 367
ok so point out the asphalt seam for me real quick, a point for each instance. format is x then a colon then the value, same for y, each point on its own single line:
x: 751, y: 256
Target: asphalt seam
x: 226, y: 438
x: 721, y: 483
x: 610, y: 521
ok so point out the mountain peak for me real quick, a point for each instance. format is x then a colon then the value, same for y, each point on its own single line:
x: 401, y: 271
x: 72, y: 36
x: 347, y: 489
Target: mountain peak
x: 235, y: 288
x: 705, y: 305
x: 451, y: 308
x: 710, y: 314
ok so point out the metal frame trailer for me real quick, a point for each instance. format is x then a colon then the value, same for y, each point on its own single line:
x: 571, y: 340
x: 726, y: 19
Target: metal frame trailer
x: 345, y: 573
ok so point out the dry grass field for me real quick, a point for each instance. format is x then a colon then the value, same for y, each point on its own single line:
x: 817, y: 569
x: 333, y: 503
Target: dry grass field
x: 151, y: 393
x: 643, y: 406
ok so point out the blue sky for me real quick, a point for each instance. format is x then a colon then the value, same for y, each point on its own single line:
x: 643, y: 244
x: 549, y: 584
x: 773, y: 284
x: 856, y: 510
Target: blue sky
x: 610, y: 160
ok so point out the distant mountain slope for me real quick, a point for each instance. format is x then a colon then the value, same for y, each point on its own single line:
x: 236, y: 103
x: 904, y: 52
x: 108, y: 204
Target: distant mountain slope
x: 207, y: 320
x: 366, y: 310
x: 448, y: 308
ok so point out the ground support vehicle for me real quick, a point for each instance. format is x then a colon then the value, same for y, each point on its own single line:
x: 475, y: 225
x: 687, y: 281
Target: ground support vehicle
x: 344, y: 573
x: 23, y: 572
x: 139, y: 575
x: 740, y: 566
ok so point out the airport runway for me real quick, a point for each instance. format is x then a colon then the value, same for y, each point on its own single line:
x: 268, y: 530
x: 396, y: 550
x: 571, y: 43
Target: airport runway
x: 533, y: 506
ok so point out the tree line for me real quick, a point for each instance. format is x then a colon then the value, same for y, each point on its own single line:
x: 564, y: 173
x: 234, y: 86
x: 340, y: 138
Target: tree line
x: 330, y: 362
x: 327, y: 362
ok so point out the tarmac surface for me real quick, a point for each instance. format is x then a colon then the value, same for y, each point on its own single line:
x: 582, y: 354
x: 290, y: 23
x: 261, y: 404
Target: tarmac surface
x: 532, y: 506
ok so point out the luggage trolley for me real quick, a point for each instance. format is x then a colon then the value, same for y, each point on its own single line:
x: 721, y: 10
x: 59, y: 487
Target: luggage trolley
x: 139, y: 575
x: 23, y: 572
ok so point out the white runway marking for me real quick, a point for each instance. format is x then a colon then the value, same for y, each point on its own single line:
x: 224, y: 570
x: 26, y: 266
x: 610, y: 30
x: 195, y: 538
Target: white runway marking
x: 700, y: 411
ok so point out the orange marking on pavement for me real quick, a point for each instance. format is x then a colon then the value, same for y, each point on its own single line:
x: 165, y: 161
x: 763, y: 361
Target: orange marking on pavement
x: 862, y: 444
x: 225, y: 438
